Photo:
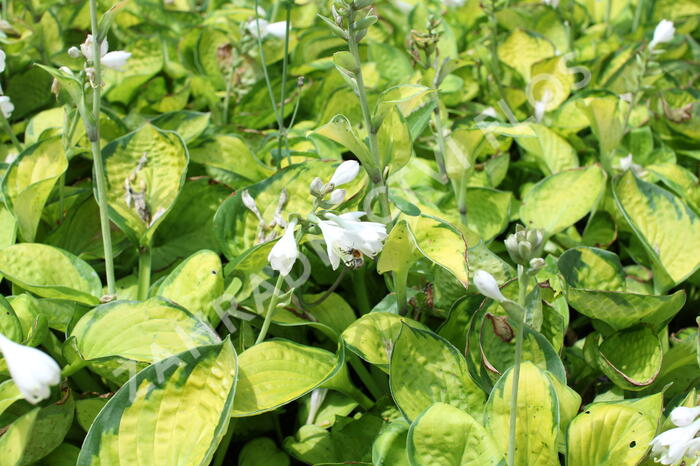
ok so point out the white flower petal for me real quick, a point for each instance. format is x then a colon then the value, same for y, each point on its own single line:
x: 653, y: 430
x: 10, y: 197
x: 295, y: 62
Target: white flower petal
x: 663, y: 33
x: 2, y: 60
x: 6, y: 106
x: 682, y: 416
x: 278, y: 29
x: 116, y: 60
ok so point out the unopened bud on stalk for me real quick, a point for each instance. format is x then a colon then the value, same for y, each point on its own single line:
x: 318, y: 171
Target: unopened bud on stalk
x: 537, y: 264
x: 337, y: 197
x: 524, y: 245
x: 317, y: 187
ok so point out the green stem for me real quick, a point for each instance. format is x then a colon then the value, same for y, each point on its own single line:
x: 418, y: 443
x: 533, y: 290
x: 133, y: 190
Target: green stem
x: 400, y: 279
x: 8, y: 129
x: 359, y: 286
x: 270, y: 309
x: 637, y: 15
x: 93, y: 129
x: 144, y: 272
x: 282, y: 138
x: 5, y: 13
x: 73, y: 368
x: 366, y: 377
x: 261, y: 52
x: 522, y: 287
x: 377, y: 175
x: 221, y: 450
x: 495, y: 68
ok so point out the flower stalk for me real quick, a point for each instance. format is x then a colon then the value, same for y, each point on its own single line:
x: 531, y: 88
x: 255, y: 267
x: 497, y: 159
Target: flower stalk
x: 93, y: 131
x: 523, y: 281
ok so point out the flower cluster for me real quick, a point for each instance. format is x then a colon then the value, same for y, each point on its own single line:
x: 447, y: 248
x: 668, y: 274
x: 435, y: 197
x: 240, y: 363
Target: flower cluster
x: 347, y: 238
x: 680, y: 443
x: 32, y: 370
x: 115, y: 60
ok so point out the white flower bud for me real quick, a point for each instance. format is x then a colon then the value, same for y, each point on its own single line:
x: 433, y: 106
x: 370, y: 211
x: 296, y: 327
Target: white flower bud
x: 2, y: 60
x: 663, y: 33
x: 6, y: 106
x: 345, y: 173
x: 337, y: 196
x: 537, y: 263
x: 317, y: 187
x: 488, y: 286
x: 74, y: 52
x: 32, y: 370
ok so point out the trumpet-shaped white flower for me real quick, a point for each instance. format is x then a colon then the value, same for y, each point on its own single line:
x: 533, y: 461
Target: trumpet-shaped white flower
x: 672, y: 446
x: 488, y: 286
x: 6, y: 106
x: 682, y: 416
x: 32, y: 370
x: 663, y: 33
x: 2, y: 60
x: 115, y: 60
x: 278, y: 29
x: 345, y: 234
x: 345, y: 173
x: 285, y: 252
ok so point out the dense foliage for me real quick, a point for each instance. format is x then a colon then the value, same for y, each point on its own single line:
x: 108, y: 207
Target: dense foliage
x: 508, y: 276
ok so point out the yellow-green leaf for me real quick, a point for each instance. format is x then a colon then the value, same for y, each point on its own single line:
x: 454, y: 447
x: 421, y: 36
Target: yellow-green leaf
x: 173, y: 412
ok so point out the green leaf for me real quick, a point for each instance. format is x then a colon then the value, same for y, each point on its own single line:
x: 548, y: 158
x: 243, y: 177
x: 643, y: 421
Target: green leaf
x: 537, y: 422
x: 35, y: 434
x: 609, y: 434
x: 173, y: 412
x: 9, y: 393
x: 262, y: 451
x: 50, y: 272
x: 373, y: 336
x: 521, y: 50
x: 592, y: 269
x: 30, y: 180
x: 425, y: 369
x: 488, y: 211
x: 145, y: 172
x: 146, y: 60
x: 394, y: 138
x: 444, y: 435
x: 114, y: 332
x: 622, y: 310
x: 561, y: 200
x: 429, y: 237
x: 631, y: 358
x: 196, y: 284
x: 230, y: 153
x: 551, y: 82
x: 189, y: 125
x: 340, y: 130
x: 667, y: 227
x: 273, y: 373
x: 606, y: 113
x: 389, y: 448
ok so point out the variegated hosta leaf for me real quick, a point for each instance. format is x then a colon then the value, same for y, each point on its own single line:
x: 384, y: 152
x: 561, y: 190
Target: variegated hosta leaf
x: 29, y: 181
x: 145, y: 172
x: 173, y: 412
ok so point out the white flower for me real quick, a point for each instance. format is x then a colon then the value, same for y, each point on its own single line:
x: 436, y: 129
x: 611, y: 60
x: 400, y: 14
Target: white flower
x: 285, y: 252
x: 115, y: 60
x: 316, y: 187
x: 541, y: 105
x: 453, y: 3
x: 278, y: 29
x: 672, y: 446
x: 6, y: 106
x: 682, y: 416
x: 2, y: 60
x: 74, y: 52
x: 488, y: 286
x: 345, y: 234
x: 552, y: 3
x: 32, y: 370
x: 663, y: 33
x: 345, y: 173
x: 337, y: 196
